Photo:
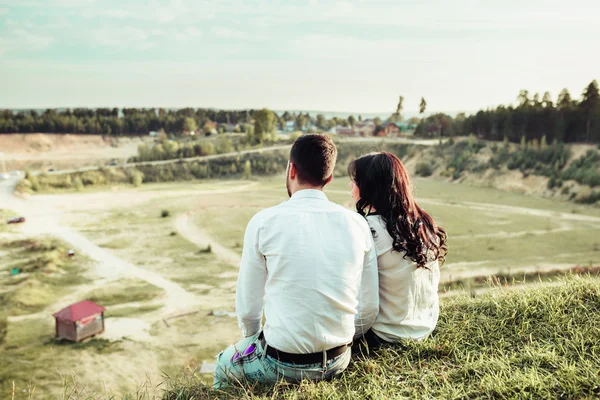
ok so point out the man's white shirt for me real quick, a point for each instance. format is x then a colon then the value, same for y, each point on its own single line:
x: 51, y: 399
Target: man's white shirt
x: 312, y: 265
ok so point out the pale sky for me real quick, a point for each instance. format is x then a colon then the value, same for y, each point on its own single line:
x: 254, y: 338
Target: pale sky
x: 354, y: 55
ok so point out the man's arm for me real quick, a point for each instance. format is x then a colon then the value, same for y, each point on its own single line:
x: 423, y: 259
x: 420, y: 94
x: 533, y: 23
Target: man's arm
x: 251, y: 282
x: 368, y: 296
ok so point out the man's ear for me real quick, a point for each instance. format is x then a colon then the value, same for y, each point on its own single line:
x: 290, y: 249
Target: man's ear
x: 293, y: 171
x: 329, y: 179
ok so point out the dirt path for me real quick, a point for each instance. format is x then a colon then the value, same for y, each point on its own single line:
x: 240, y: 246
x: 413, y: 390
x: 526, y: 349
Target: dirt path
x: 513, y: 210
x: 42, y: 219
x: 202, y: 239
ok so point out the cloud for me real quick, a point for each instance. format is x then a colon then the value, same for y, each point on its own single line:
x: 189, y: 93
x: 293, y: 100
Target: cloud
x: 130, y: 37
x: 23, y: 38
x: 228, y: 33
x: 47, y: 3
x: 3, y: 10
x: 122, y: 37
x: 189, y: 33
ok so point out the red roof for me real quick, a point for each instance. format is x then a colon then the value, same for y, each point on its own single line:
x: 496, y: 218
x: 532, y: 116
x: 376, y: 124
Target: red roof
x: 80, y: 310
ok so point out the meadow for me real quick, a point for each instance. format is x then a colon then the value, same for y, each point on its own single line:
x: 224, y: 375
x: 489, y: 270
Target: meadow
x: 191, y: 234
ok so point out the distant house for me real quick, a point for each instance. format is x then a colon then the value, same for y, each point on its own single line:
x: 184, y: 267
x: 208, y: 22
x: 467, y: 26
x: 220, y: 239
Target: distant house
x: 345, y: 131
x: 365, y: 128
x: 210, y: 128
x: 79, y: 321
x: 153, y: 133
x: 388, y: 129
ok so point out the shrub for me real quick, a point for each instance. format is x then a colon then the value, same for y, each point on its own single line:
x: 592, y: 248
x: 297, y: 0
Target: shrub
x: 165, y: 213
x: 586, y: 169
x: 77, y: 184
x: 137, y: 178
x: 592, y: 198
x: 3, y: 327
x: 424, y: 169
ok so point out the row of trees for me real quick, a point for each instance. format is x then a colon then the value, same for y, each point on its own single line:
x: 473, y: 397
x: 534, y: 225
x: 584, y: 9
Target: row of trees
x: 140, y: 121
x: 566, y: 120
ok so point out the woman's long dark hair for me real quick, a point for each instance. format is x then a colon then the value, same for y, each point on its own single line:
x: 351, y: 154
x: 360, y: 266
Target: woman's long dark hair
x: 384, y: 186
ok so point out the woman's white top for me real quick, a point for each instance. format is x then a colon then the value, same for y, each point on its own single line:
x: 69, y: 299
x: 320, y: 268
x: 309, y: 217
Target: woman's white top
x: 408, y: 296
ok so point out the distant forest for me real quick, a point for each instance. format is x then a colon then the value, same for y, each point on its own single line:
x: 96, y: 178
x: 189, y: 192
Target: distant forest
x: 533, y: 117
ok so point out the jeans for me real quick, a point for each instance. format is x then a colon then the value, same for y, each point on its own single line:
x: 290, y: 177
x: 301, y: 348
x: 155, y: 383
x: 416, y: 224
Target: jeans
x: 247, y: 361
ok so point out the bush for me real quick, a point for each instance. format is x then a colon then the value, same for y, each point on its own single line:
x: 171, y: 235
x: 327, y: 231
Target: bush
x: 585, y: 170
x: 424, y: 169
x: 3, y: 328
x: 165, y: 213
x: 137, y: 178
x: 592, y: 198
x: 77, y: 184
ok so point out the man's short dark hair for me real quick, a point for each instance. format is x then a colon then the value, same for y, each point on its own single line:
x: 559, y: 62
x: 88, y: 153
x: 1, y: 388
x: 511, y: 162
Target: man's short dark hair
x: 314, y: 156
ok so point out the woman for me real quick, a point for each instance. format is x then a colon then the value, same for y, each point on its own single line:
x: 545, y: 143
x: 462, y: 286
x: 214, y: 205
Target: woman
x: 410, y: 249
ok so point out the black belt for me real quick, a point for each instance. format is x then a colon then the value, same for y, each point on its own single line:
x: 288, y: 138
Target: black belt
x: 308, y: 358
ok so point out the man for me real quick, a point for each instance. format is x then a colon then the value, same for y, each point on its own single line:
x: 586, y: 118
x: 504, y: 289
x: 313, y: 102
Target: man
x: 312, y: 265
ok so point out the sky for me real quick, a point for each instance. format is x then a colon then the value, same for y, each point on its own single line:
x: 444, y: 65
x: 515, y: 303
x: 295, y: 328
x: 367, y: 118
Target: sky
x: 352, y: 56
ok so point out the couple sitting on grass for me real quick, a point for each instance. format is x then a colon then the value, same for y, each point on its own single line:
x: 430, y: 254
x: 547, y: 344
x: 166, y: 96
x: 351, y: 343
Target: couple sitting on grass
x: 326, y: 277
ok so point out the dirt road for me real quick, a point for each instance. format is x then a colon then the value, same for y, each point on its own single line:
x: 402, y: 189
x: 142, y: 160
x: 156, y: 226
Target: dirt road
x: 44, y: 219
x: 202, y: 239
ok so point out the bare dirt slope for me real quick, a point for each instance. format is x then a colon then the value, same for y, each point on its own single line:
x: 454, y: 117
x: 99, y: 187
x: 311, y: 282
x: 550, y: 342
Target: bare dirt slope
x: 42, y: 151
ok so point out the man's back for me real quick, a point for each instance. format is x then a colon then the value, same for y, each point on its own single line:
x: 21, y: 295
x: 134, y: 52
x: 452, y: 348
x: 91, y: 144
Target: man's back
x: 313, y: 253
x: 311, y: 265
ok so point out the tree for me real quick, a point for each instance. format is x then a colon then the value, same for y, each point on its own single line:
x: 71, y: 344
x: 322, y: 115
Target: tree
x: 564, y: 103
x: 265, y: 122
x: 523, y: 98
x: 400, y: 106
x: 351, y: 120
x: 247, y: 169
x: 321, y: 121
x: 189, y: 124
x: 397, y: 116
x: 547, y: 100
x: 301, y: 121
x: 590, y: 106
x: 422, y: 106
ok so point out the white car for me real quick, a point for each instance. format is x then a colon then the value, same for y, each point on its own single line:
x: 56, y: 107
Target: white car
x: 4, y: 177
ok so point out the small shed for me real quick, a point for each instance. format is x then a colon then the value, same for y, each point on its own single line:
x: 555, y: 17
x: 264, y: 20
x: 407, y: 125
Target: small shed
x: 79, y: 321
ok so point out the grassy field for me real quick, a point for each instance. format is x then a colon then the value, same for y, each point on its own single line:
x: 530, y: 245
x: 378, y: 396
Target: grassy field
x: 489, y: 231
x: 44, y: 273
x: 535, y: 343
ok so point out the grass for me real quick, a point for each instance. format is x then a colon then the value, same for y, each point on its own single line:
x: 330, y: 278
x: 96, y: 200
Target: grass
x: 534, y: 343
x: 225, y: 216
x: 522, y: 278
x: 5, y: 215
x: 131, y: 311
x: 140, y: 235
x: 127, y: 291
x: 45, y: 274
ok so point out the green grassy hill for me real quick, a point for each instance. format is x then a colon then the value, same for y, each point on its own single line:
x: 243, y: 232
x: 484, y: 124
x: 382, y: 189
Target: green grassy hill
x: 539, y: 342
